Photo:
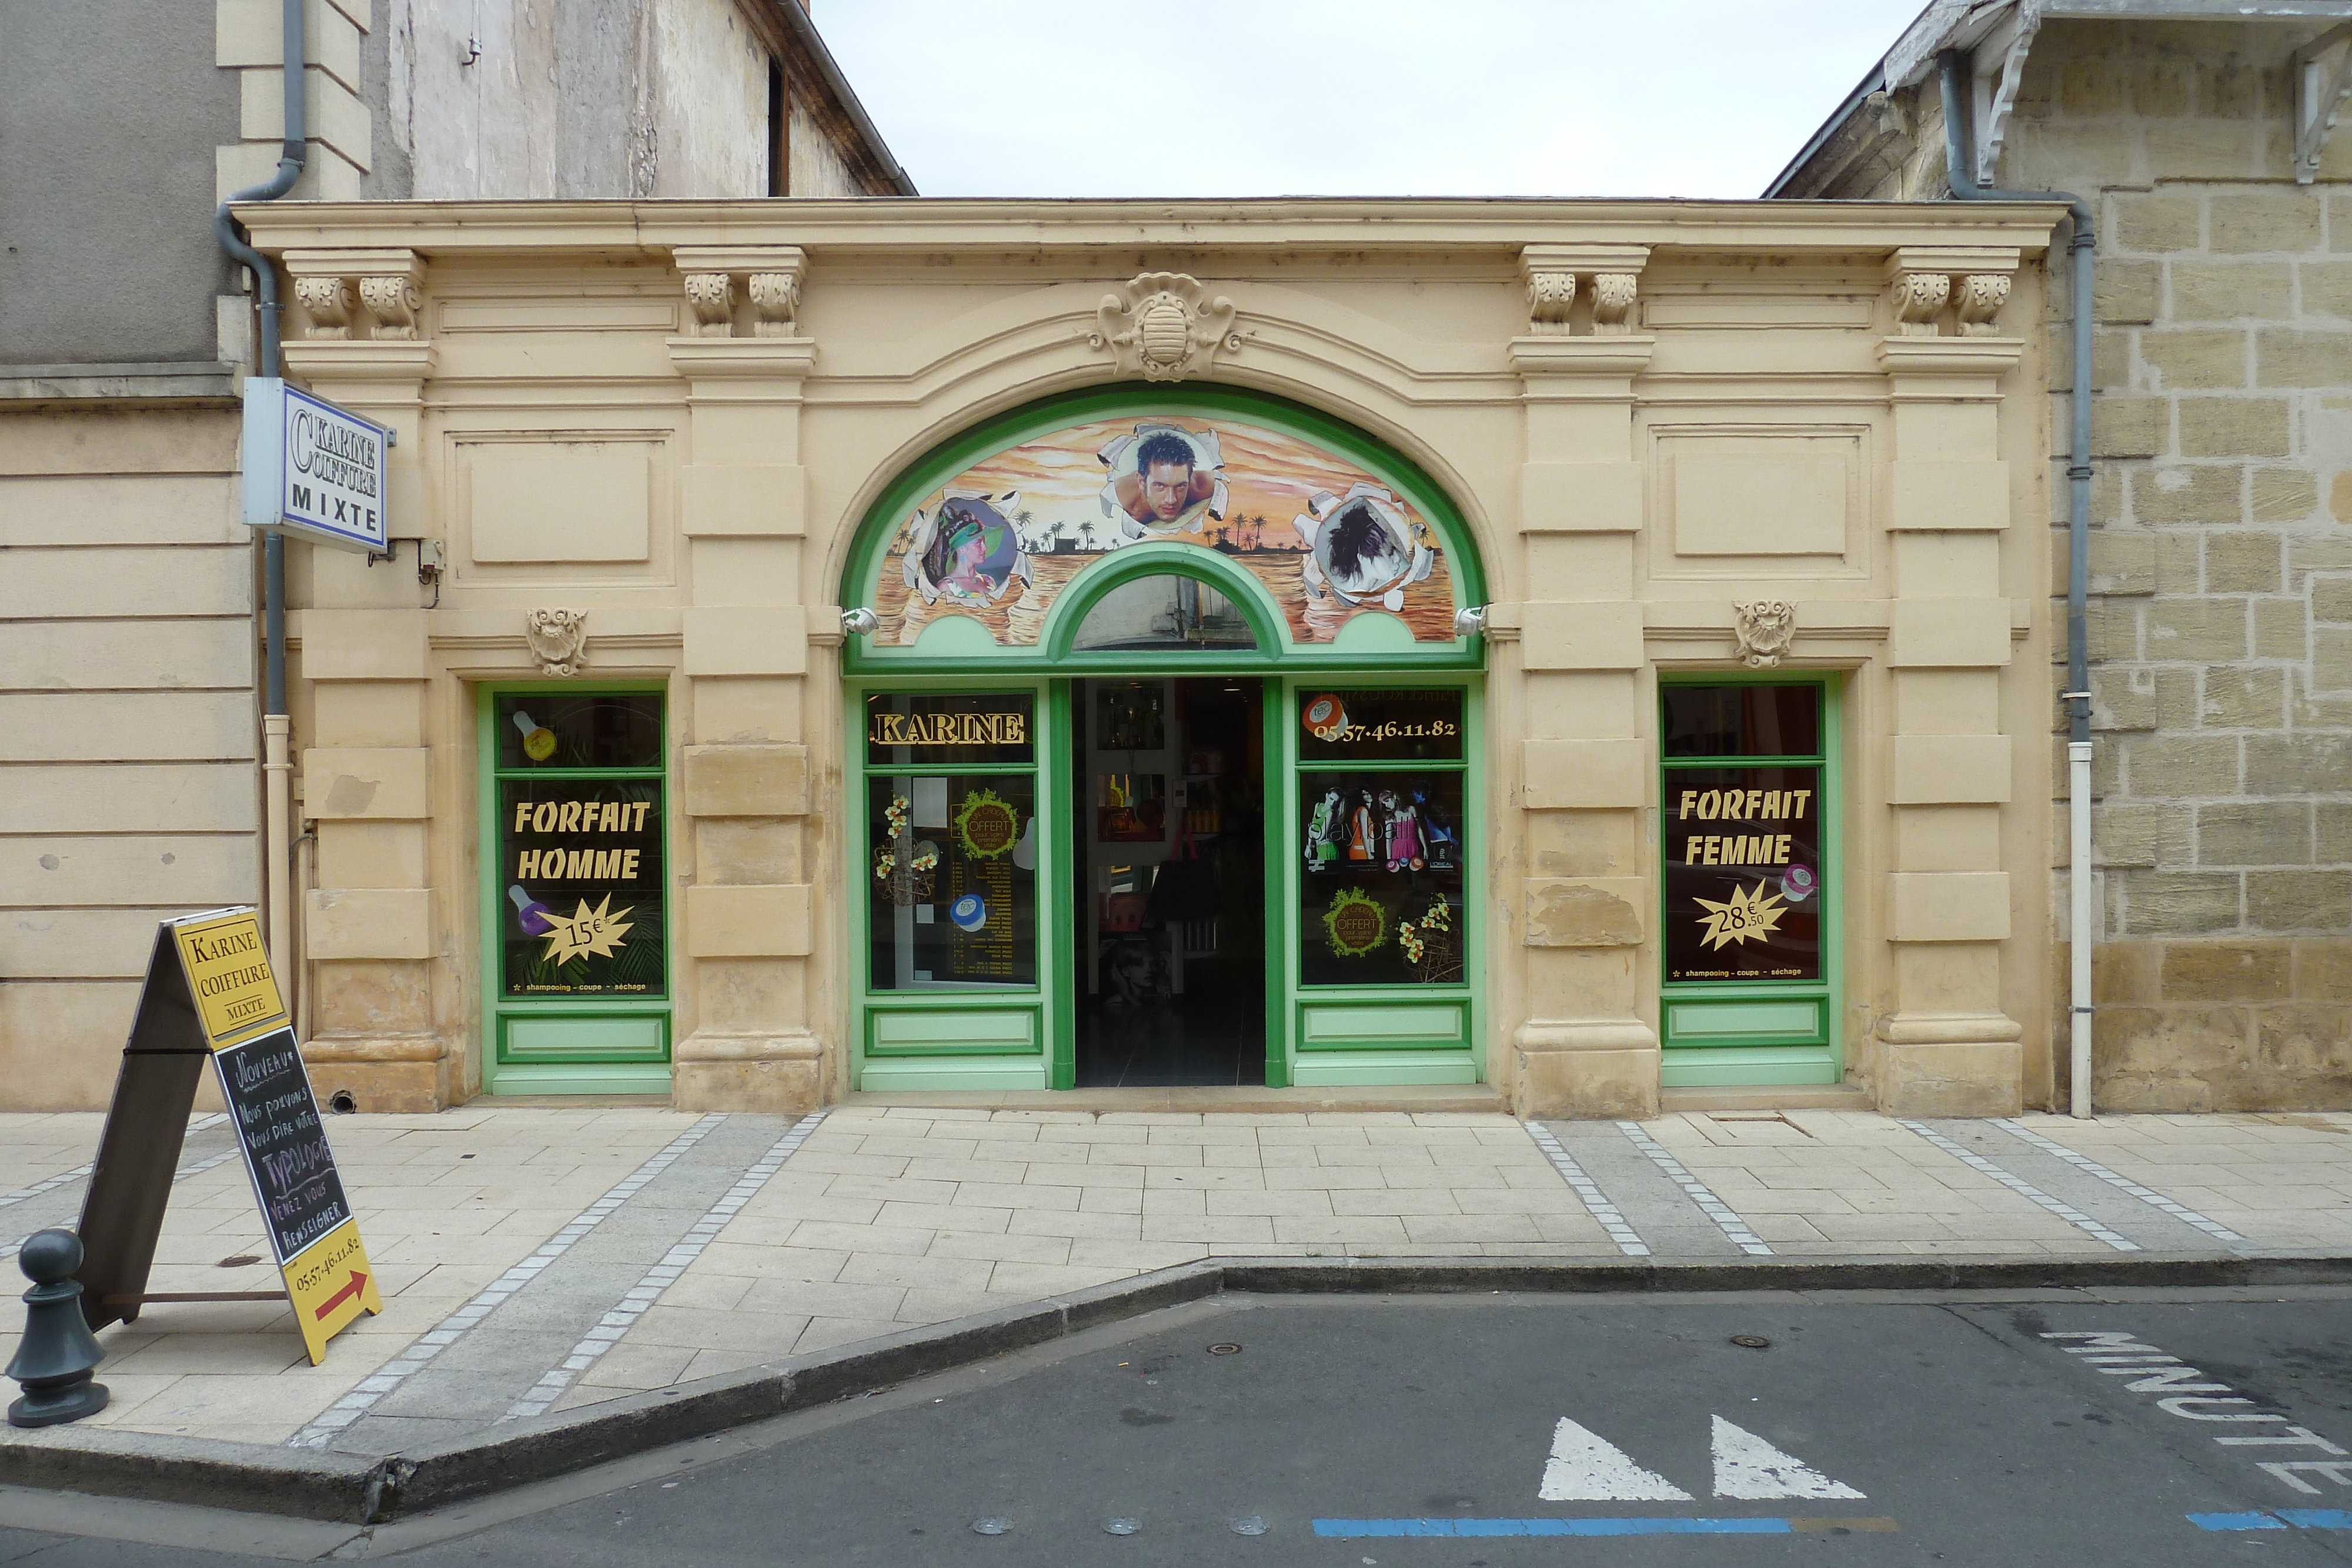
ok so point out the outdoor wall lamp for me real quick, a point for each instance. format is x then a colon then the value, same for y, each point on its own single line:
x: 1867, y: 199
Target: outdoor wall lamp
x: 860, y: 621
x: 1469, y: 621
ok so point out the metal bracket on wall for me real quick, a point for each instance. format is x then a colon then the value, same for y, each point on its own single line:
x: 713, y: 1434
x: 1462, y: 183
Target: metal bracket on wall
x: 2320, y: 87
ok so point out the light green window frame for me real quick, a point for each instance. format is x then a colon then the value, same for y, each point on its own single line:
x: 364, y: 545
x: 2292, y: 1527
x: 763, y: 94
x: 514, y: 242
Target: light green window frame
x: 1716, y: 1034
x: 592, y: 1046
x: 1389, y: 1034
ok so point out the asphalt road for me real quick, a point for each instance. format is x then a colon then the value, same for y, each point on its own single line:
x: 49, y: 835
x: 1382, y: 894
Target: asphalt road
x: 1481, y: 1432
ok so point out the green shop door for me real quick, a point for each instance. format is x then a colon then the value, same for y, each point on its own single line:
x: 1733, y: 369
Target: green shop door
x: 576, y: 950
x: 1749, y: 880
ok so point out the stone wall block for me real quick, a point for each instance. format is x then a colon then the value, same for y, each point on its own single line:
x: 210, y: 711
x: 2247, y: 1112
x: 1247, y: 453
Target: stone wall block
x: 2195, y: 358
x: 369, y: 922
x: 2126, y: 426
x: 2254, y: 832
x: 2325, y: 288
x: 2177, y: 768
x: 1598, y: 911
x: 378, y: 782
x: 2242, y: 563
x: 2318, y: 901
x: 2323, y: 968
x: 2207, y: 494
x: 2158, y: 223
x: 1930, y: 494
x: 1932, y: 634
x: 2199, y: 629
x: 747, y: 921
x: 1581, y: 497
x: 2301, y: 357
x: 360, y: 644
x: 2263, y: 221
x: 2125, y: 292
x: 1570, y: 774
x: 1590, y: 636
x: 2297, y: 764
x: 2234, y: 427
x: 748, y: 500
x: 2282, y: 495
x: 2282, y: 629
x: 2180, y: 904
x: 2124, y: 971
x: 2231, y: 290
x: 2122, y: 564
x: 746, y: 782
x: 1949, y: 770
x: 2243, y: 698
x: 1949, y: 907
x: 728, y: 640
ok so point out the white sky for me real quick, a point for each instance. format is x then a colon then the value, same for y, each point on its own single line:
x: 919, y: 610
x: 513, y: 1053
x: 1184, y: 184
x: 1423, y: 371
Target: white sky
x: 1254, y: 97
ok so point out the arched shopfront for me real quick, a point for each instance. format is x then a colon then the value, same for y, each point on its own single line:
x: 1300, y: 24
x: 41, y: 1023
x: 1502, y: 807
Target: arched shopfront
x: 1165, y: 755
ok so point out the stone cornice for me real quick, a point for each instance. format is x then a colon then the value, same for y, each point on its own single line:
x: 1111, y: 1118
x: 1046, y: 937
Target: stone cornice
x: 1339, y: 226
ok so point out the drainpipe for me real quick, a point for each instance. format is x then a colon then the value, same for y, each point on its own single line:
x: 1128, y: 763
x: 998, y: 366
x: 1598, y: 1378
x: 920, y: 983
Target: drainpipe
x: 2082, y: 255
x: 277, y: 725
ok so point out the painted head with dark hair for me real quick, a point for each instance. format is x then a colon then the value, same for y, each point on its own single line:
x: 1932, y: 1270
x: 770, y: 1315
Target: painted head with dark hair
x: 1165, y: 464
x: 1358, y: 541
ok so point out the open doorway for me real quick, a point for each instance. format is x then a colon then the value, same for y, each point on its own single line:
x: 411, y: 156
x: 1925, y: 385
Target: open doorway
x: 1171, y: 969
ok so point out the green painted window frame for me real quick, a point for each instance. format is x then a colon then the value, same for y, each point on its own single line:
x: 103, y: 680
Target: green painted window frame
x: 944, y: 1068
x: 956, y: 655
x: 595, y: 1072
x: 1371, y: 1059
x: 1752, y: 1059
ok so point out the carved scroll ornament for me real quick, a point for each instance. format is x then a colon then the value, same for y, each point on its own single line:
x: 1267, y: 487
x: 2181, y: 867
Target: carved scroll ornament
x: 558, y: 640
x: 1164, y: 327
x: 1765, y: 627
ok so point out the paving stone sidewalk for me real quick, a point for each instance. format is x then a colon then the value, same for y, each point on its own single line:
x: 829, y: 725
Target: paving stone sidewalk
x: 536, y: 1259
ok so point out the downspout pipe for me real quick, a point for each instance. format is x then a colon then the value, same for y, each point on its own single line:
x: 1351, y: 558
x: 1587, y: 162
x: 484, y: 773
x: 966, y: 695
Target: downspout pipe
x: 277, y: 726
x: 2081, y: 257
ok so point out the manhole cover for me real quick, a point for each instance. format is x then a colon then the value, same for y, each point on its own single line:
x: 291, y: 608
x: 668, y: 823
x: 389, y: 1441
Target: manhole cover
x: 994, y: 1524
x: 1751, y: 1342
x: 1121, y: 1526
x: 1252, y: 1525
x: 1227, y: 1348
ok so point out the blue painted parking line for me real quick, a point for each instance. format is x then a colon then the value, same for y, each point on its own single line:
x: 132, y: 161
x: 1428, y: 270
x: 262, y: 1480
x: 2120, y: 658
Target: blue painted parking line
x: 1363, y: 1529
x: 2285, y: 1519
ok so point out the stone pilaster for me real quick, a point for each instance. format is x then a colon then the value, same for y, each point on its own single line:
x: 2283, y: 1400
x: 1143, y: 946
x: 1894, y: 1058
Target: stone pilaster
x: 386, y: 1020
x: 1568, y: 672
x: 753, y: 932
x: 1944, y: 1046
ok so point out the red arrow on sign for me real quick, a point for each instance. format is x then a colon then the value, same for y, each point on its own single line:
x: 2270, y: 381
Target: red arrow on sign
x: 350, y: 1289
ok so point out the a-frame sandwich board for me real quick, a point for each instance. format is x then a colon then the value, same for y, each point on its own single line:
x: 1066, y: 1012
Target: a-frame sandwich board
x: 210, y: 994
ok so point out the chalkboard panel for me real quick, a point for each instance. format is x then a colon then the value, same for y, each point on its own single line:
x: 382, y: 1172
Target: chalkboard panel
x: 277, y: 1123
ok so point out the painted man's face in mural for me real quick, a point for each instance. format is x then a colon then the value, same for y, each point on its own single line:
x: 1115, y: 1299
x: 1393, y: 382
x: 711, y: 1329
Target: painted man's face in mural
x: 1168, y: 482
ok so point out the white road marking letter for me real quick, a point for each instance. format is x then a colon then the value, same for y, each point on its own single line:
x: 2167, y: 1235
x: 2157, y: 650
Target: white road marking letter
x: 2334, y: 1469
x: 2174, y: 1378
x: 2174, y: 1406
x: 1586, y: 1468
x: 1748, y: 1467
x: 2298, y: 1437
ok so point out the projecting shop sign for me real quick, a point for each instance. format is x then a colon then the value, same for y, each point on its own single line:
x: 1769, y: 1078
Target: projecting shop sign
x: 311, y: 468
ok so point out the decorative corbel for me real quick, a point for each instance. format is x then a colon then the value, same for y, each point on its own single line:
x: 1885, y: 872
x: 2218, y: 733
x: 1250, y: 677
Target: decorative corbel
x: 557, y: 639
x: 2321, y: 86
x: 1981, y: 296
x: 1920, y: 300
x: 327, y: 301
x: 1612, y: 303
x: 776, y: 301
x: 1551, y: 296
x: 394, y: 301
x: 713, y: 296
x: 1765, y: 627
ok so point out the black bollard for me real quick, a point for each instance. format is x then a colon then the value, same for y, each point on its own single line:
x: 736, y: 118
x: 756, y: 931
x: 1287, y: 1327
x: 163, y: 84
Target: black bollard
x: 54, y: 1358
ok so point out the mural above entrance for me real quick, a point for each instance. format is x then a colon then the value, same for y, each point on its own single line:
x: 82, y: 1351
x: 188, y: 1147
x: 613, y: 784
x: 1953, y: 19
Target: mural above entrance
x: 999, y: 541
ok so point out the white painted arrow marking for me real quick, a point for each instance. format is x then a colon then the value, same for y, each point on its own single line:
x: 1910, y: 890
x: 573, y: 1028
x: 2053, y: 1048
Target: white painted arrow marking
x: 1748, y: 1467
x: 1584, y: 1468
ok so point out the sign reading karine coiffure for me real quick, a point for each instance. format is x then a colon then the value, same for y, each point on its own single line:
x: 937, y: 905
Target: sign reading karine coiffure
x: 313, y: 469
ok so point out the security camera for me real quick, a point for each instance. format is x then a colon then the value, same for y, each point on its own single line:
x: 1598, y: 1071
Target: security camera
x: 1470, y: 620
x: 860, y: 621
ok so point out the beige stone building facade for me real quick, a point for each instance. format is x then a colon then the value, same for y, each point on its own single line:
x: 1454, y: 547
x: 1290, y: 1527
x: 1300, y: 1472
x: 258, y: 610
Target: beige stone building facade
x: 2221, y: 559
x: 1668, y: 489
x: 130, y: 754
